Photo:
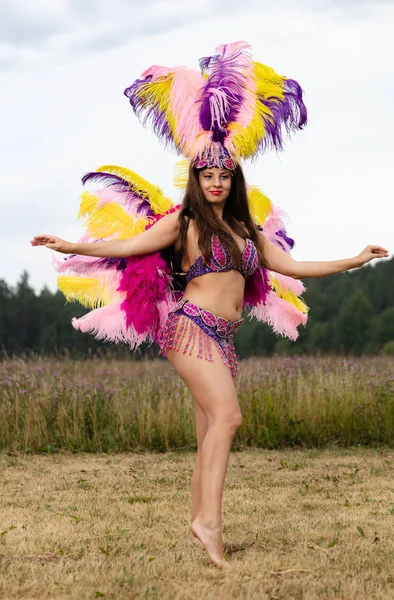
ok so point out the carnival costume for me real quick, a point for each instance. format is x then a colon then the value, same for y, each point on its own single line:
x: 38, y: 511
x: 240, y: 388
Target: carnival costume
x: 232, y: 109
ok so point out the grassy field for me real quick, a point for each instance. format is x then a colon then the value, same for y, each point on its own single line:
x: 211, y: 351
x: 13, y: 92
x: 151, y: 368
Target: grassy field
x: 112, y: 405
x: 297, y: 525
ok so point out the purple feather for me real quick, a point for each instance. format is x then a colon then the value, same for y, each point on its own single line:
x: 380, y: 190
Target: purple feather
x: 223, y: 93
x: 119, y: 264
x: 135, y: 204
x: 153, y: 114
x: 289, y: 241
x: 125, y: 192
x: 204, y: 62
x: 289, y: 113
x: 107, y: 179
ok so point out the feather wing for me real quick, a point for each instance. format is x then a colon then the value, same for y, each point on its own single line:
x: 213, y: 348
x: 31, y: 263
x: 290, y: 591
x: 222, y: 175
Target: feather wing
x: 273, y: 297
x: 129, y: 297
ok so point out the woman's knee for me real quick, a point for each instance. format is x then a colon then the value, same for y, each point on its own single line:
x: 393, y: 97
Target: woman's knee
x: 212, y: 388
x: 236, y: 420
x: 231, y: 419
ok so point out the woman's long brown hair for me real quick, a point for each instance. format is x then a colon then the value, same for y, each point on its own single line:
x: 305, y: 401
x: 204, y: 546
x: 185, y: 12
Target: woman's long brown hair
x: 235, y: 212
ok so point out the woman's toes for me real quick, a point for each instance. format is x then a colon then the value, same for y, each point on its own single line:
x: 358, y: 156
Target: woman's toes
x: 211, y: 539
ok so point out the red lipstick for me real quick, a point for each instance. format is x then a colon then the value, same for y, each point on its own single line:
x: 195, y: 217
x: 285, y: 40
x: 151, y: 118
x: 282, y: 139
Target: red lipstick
x: 216, y: 192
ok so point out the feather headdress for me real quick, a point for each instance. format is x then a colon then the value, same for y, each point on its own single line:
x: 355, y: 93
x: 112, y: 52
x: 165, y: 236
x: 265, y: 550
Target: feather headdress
x: 232, y: 109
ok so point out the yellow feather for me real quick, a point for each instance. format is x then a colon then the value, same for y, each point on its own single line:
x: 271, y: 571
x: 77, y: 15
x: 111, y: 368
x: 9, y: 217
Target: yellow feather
x: 245, y: 139
x: 88, y: 291
x: 181, y: 174
x: 269, y: 84
x: 288, y: 296
x: 110, y: 219
x: 259, y: 205
x: 159, y: 203
x: 157, y: 94
x: 88, y: 203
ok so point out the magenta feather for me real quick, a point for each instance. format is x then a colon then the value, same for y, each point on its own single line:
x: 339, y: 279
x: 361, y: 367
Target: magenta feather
x: 146, y: 281
x: 256, y: 288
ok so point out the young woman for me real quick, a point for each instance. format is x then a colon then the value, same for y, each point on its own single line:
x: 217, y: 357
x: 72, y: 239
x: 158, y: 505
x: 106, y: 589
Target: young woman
x: 219, y: 248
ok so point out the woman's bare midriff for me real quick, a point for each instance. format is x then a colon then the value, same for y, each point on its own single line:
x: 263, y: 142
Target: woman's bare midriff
x: 221, y: 293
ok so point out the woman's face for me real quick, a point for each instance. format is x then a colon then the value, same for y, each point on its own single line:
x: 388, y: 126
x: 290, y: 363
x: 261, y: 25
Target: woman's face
x: 215, y: 184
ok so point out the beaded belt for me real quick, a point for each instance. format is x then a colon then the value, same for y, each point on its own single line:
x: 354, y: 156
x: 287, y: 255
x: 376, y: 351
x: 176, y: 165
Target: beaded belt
x: 222, y: 327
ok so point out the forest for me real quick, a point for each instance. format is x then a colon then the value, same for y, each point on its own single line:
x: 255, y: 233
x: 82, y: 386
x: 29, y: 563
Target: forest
x: 350, y: 313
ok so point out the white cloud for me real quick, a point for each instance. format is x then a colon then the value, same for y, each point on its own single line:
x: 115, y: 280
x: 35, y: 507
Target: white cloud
x: 47, y: 32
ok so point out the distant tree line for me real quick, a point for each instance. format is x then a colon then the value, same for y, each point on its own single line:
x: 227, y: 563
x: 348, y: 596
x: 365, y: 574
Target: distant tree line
x: 350, y: 313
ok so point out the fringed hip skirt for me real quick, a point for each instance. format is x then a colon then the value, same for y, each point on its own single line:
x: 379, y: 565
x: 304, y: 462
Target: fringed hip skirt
x: 202, y: 326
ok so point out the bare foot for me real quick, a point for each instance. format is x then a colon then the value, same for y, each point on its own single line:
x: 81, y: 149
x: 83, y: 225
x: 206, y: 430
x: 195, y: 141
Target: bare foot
x: 211, y: 539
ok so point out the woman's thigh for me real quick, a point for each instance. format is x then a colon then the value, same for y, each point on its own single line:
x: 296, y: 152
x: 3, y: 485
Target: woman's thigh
x: 210, y: 383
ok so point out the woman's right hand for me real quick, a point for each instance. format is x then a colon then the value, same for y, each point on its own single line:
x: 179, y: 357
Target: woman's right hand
x: 52, y: 242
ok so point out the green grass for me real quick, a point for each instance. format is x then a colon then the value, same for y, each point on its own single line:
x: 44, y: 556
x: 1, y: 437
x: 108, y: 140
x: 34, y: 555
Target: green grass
x: 111, y: 406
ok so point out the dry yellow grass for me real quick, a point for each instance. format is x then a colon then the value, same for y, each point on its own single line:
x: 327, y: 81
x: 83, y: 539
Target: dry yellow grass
x: 300, y: 525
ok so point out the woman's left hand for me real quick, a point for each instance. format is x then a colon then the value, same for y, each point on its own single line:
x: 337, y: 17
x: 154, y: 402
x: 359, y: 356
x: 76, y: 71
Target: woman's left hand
x: 371, y: 252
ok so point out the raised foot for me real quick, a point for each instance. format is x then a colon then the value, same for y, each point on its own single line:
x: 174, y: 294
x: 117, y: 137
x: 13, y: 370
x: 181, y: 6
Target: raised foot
x: 211, y: 539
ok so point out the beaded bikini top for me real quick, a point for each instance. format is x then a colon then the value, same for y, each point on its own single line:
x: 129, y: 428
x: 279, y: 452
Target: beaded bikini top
x: 221, y: 260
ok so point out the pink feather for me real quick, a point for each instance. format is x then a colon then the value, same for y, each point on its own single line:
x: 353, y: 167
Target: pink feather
x: 80, y: 265
x: 274, y: 222
x: 164, y: 307
x: 288, y: 284
x: 219, y: 105
x: 284, y: 318
x: 186, y: 86
x: 109, y: 324
x: 157, y: 71
x: 237, y: 50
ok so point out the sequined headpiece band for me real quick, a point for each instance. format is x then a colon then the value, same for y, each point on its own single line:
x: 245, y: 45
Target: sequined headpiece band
x: 216, y: 156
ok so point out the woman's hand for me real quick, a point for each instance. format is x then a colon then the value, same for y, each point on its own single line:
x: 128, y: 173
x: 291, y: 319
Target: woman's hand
x: 52, y: 242
x: 369, y: 253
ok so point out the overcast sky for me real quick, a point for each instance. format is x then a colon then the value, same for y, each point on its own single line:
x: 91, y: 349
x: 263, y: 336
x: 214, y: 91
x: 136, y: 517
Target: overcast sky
x: 65, y: 63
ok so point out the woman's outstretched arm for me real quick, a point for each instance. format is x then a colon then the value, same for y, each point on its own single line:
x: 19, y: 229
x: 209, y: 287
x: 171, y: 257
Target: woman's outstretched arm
x: 161, y: 235
x: 279, y: 261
